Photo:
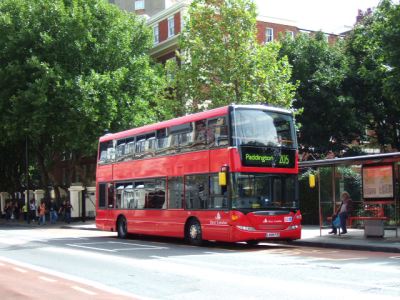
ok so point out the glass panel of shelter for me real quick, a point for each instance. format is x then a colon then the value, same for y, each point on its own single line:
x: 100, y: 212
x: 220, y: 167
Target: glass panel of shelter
x: 326, y: 194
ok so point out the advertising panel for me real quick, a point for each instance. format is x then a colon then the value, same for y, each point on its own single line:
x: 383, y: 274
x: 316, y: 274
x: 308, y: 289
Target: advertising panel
x: 377, y: 182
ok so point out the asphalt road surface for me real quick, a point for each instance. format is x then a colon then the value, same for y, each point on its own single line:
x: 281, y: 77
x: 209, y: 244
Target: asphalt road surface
x: 97, y: 265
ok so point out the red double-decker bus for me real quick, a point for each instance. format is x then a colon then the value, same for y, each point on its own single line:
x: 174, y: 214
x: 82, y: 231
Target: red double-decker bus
x: 227, y: 174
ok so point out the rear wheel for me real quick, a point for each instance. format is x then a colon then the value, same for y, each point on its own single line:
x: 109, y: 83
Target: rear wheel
x: 122, y: 228
x: 193, y: 233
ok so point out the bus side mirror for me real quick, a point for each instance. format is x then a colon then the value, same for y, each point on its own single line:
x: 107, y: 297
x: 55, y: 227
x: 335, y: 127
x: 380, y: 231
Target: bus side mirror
x: 311, y: 180
x: 222, y: 178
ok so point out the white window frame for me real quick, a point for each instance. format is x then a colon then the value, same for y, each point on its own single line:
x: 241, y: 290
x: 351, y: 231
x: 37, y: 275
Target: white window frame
x: 269, y: 35
x: 156, y: 34
x: 290, y: 34
x: 139, y: 4
x: 171, y: 26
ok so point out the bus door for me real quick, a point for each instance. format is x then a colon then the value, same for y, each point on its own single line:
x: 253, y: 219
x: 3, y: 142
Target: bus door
x: 110, y: 206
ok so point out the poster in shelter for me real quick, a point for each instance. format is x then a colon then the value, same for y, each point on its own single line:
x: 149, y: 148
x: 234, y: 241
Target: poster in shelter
x: 377, y: 182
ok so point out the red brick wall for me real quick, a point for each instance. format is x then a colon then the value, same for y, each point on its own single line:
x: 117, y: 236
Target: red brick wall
x: 278, y: 29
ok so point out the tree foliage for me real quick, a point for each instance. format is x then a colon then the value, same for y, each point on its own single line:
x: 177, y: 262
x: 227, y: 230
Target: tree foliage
x: 373, y: 49
x: 222, y: 62
x: 329, y: 119
x: 69, y: 69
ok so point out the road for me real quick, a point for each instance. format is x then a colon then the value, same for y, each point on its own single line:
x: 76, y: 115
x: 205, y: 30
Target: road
x: 97, y: 265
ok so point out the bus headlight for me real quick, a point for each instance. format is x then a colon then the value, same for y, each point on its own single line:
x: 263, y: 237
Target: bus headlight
x: 246, y: 228
x: 293, y: 227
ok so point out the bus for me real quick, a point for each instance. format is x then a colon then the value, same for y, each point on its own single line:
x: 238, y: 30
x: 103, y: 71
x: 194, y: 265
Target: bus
x: 228, y: 174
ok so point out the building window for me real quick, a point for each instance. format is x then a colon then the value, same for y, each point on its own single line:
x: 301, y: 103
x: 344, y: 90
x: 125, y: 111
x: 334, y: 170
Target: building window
x: 290, y: 34
x: 171, y: 26
x: 305, y: 32
x: 156, y: 35
x: 269, y: 35
x: 139, y: 4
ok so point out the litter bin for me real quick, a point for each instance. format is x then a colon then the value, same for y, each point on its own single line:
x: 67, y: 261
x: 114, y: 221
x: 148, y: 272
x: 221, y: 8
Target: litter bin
x: 373, y: 228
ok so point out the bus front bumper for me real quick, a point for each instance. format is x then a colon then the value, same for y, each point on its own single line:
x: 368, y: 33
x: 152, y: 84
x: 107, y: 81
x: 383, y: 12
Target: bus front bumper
x: 242, y: 233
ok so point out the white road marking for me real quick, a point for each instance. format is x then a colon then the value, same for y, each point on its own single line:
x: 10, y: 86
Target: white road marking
x: 77, y: 288
x: 47, y: 279
x: 20, y: 270
x: 344, y: 283
x: 99, y: 248
x: 395, y: 257
x: 77, y: 279
x: 168, y: 266
x: 93, y: 248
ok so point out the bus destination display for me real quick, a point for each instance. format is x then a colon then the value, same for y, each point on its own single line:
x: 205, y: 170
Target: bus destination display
x: 267, y: 157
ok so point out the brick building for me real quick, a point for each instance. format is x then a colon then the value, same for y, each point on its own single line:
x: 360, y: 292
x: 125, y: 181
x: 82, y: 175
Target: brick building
x: 167, y: 17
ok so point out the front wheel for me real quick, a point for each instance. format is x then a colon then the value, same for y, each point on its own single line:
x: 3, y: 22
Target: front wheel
x: 122, y: 228
x: 252, y: 242
x: 193, y: 233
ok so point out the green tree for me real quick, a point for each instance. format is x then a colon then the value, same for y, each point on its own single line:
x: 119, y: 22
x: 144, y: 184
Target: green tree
x: 329, y: 120
x: 375, y: 64
x: 222, y: 63
x: 69, y: 69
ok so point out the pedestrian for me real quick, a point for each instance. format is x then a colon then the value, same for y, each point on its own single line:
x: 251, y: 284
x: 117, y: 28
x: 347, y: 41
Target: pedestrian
x: 9, y: 211
x: 61, y: 211
x: 53, y: 211
x: 342, y: 213
x: 42, y: 213
x: 25, y: 212
x: 16, y: 211
x: 32, y: 211
x: 67, y: 210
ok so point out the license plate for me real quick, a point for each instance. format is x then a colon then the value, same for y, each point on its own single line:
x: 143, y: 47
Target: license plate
x: 273, y: 234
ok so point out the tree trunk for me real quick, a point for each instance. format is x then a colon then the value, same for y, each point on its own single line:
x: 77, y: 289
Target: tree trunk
x: 44, y: 173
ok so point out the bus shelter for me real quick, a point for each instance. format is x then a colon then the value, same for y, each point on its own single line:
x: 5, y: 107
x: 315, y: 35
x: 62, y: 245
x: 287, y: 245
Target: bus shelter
x: 372, y: 182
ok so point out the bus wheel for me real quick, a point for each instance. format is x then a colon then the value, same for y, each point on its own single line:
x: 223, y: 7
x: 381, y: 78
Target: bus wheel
x: 193, y: 233
x: 252, y: 242
x: 122, y: 228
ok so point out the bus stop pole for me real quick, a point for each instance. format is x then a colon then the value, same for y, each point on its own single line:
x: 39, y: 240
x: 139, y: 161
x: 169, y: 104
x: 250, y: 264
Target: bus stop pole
x: 319, y: 202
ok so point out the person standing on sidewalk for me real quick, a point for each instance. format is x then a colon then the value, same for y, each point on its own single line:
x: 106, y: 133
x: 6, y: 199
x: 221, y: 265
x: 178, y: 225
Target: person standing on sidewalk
x: 9, y: 211
x: 42, y: 213
x: 53, y: 212
x: 32, y: 211
x: 25, y: 212
x: 343, y: 213
x: 67, y: 210
x: 16, y: 210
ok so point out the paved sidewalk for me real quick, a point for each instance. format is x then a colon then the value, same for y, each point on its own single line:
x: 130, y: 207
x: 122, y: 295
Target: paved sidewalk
x: 353, y: 240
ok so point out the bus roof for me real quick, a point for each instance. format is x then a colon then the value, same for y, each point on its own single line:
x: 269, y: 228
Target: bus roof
x: 182, y: 120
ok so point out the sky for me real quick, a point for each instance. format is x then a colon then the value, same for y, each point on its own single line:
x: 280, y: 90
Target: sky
x: 331, y: 16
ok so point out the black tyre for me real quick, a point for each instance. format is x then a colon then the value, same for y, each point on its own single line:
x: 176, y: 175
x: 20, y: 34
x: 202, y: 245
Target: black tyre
x: 122, y: 228
x: 193, y: 233
x: 252, y: 242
